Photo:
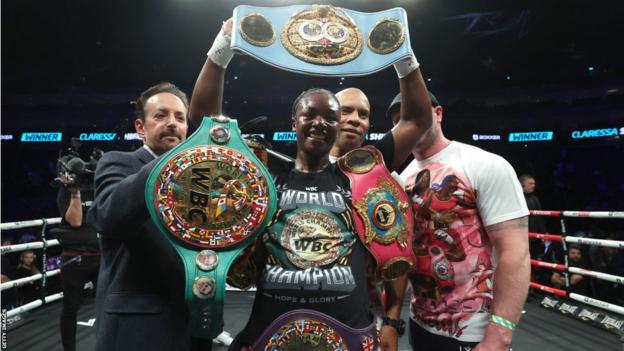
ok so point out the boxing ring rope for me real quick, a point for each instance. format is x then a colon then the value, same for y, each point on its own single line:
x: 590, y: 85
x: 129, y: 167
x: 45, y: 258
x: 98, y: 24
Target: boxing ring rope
x: 32, y: 223
x: 586, y: 272
x: 34, y: 304
x: 582, y: 214
x: 43, y: 244
x: 578, y: 240
x: 29, y: 246
x: 566, y: 269
x: 25, y: 280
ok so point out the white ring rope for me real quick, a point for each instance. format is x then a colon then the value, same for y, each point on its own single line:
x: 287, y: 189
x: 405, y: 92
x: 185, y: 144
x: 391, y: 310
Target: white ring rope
x: 598, y: 275
x: 570, y: 239
x: 583, y: 214
x: 593, y: 214
x: 597, y: 303
x: 595, y: 242
x: 28, y: 246
x: 587, y: 272
x: 578, y: 240
x: 26, y: 224
x: 26, y: 280
x: 34, y: 304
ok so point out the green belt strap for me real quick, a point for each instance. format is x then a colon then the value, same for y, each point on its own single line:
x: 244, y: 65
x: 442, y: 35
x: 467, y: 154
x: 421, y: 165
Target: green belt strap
x: 211, y: 197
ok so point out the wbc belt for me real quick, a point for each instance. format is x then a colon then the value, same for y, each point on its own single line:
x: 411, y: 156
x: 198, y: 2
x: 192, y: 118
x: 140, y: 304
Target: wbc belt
x: 210, y: 196
x: 322, y: 39
x: 382, y: 213
x: 311, y: 330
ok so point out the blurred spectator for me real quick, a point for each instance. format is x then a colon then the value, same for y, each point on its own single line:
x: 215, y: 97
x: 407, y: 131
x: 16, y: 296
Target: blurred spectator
x: 536, y: 223
x: 609, y: 260
x: 26, y: 237
x: 27, y: 267
x: 8, y: 268
x: 553, y: 253
x: 9, y: 298
x: 579, y: 284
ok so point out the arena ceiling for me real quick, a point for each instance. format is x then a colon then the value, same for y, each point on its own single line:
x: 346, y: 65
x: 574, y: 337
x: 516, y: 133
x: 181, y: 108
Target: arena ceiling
x: 477, y: 44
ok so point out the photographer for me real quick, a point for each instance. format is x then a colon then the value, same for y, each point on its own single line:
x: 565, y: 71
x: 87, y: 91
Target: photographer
x: 81, y: 257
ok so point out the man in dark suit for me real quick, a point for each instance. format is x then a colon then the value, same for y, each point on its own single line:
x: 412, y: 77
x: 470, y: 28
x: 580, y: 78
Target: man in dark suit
x: 140, y: 294
x: 536, y: 223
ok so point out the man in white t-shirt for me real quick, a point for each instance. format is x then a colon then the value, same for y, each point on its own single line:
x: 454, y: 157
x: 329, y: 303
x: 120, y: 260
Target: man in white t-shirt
x: 472, y: 266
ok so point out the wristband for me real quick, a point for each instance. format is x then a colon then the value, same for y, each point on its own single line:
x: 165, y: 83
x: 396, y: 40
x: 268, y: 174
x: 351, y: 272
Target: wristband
x: 406, y: 66
x: 75, y: 193
x: 397, y: 324
x: 220, y: 53
x: 502, y: 322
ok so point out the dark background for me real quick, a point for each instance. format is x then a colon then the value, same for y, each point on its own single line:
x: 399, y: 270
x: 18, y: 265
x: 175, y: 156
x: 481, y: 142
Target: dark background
x: 496, y: 67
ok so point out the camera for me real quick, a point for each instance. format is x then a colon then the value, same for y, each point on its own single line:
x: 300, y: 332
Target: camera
x: 79, y: 171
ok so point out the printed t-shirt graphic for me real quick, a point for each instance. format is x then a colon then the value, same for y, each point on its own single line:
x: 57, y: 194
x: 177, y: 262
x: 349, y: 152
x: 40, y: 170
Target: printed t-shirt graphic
x: 310, y: 241
x: 455, y: 198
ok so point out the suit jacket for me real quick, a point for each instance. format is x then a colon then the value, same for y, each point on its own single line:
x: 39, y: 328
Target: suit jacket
x: 140, y: 294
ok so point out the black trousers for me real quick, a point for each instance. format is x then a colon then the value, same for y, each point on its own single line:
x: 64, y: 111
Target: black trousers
x: 198, y: 344
x: 422, y: 340
x: 74, y: 276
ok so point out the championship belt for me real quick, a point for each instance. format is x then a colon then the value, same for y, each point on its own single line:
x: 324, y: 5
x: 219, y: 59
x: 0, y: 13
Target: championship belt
x: 210, y: 196
x: 311, y: 330
x: 382, y: 213
x: 322, y: 39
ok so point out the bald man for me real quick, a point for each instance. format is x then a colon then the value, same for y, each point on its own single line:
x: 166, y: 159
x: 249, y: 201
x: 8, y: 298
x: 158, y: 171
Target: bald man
x: 354, y: 122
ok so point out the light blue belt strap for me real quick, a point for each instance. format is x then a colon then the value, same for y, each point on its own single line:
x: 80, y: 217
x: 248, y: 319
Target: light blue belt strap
x: 322, y: 40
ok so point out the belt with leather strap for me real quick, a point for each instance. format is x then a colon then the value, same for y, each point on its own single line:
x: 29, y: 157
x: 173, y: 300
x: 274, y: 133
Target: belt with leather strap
x: 382, y: 211
x: 305, y: 329
x: 210, y: 196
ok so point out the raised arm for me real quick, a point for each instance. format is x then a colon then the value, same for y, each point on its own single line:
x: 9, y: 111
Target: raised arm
x: 71, y: 209
x: 416, y: 116
x: 207, y: 97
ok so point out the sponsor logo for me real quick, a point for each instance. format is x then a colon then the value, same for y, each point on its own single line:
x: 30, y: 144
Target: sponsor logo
x: 598, y: 303
x: 97, y: 136
x: 476, y: 137
x: 549, y: 303
x: 588, y: 315
x: 597, y: 133
x: 7, y: 137
x: 530, y: 136
x: 132, y: 136
x: 566, y: 308
x: 284, y: 136
x: 292, y: 136
x: 375, y: 136
x: 253, y: 134
x: 42, y: 137
x: 610, y: 322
